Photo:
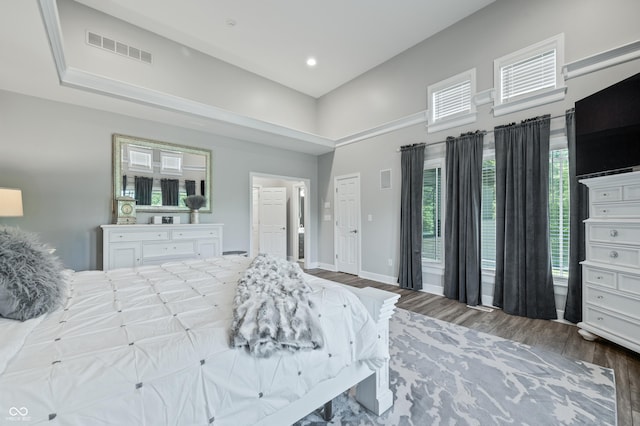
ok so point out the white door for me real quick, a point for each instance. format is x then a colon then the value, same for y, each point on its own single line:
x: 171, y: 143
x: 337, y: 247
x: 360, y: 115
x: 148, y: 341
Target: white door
x: 348, y: 224
x: 273, y: 221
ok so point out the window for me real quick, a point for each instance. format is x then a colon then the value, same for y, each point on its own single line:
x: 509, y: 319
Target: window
x: 450, y: 102
x: 558, y: 213
x: 432, y: 213
x: 488, y: 215
x: 529, y: 77
x: 535, y: 73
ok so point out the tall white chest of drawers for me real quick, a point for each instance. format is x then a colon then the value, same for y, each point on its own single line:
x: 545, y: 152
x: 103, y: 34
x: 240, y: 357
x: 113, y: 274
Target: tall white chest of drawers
x: 126, y: 246
x: 611, y: 271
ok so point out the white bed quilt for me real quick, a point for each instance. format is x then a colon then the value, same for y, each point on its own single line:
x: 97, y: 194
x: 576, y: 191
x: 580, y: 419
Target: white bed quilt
x: 150, y: 346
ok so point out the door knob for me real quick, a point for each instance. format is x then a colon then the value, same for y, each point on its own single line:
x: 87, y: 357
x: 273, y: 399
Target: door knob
x: 355, y: 231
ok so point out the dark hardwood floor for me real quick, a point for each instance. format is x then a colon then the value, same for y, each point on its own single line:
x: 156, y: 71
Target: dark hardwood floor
x: 551, y: 335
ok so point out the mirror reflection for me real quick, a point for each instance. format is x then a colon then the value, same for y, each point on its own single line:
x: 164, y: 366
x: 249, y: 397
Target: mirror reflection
x: 160, y: 175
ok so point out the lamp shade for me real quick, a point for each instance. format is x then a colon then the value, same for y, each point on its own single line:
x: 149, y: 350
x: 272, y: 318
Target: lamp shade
x: 10, y: 202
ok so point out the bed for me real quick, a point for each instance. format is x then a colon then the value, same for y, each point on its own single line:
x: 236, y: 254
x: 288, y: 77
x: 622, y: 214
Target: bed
x: 150, y: 346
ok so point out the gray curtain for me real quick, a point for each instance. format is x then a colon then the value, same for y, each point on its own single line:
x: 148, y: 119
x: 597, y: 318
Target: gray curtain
x: 578, y: 212
x: 144, y: 186
x: 524, y: 279
x: 169, y: 188
x: 412, y: 162
x: 462, y: 260
x: 190, y: 187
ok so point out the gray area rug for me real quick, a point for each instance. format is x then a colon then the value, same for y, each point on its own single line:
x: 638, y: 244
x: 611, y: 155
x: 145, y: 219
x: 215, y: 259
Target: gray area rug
x: 445, y: 374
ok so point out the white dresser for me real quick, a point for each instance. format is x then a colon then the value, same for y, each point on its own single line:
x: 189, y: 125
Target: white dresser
x: 611, y: 271
x: 126, y: 246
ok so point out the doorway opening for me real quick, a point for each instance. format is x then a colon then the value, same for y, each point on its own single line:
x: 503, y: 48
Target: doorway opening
x: 280, y: 217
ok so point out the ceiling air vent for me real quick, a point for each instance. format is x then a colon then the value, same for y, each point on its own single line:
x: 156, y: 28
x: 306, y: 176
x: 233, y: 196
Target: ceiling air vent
x: 118, y: 47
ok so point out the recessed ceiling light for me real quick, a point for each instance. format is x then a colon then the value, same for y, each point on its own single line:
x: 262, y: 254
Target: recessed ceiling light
x: 311, y: 62
x: 230, y: 22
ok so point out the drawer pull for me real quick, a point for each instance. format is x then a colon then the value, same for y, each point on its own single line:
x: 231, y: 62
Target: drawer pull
x: 604, y: 210
x: 613, y: 254
x: 599, y: 277
x: 600, y: 318
x: 604, y: 194
x: 613, y: 233
x: 600, y: 297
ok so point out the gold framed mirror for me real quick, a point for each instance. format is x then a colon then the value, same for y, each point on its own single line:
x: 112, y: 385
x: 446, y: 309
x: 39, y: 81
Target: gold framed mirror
x: 160, y: 175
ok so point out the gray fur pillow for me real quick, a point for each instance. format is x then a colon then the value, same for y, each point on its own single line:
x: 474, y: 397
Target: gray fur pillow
x: 31, y: 280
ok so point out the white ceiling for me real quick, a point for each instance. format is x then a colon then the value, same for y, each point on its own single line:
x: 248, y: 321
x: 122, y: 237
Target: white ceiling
x: 271, y: 38
x: 274, y: 38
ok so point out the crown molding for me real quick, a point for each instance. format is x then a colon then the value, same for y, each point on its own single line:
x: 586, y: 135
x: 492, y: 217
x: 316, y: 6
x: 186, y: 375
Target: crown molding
x: 391, y: 126
x: 49, y: 12
x: 547, y: 97
x: 606, y: 59
x: 79, y: 79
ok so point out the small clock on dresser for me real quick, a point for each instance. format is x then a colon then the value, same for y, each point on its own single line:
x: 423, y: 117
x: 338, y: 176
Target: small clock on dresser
x: 125, y: 211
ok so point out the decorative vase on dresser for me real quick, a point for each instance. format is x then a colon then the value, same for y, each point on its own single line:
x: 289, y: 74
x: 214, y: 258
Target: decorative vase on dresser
x: 611, y: 270
x: 136, y: 245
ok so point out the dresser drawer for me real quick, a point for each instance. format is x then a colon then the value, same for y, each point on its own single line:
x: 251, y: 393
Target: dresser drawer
x: 606, y: 194
x: 190, y: 234
x: 629, y: 283
x: 613, y: 255
x: 615, y: 210
x: 171, y: 249
x: 129, y: 236
x: 612, y: 301
x: 614, y: 324
x: 614, y: 233
x: 599, y: 277
x: 631, y: 192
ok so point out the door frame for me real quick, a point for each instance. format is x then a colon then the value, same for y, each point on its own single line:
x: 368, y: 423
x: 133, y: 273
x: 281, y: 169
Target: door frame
x: 307, y: 209
x: 296, y: 210
x: 359, y: 221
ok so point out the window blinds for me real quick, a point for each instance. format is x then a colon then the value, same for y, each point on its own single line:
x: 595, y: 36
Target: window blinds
x: 528, y: 75
x: 452, y: 100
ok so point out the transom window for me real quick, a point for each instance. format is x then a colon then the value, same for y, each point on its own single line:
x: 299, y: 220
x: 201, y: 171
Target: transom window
x: 450, y: 102
x: 535, y: 73
x: 529, y: 77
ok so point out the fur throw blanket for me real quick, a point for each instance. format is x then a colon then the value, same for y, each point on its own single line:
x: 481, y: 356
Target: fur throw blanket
x: 272, y: 310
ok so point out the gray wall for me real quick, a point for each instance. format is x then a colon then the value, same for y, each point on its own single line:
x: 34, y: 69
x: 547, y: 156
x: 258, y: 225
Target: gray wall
x: 180, y: 71
x: 60, y: 156
x: 398, y: 88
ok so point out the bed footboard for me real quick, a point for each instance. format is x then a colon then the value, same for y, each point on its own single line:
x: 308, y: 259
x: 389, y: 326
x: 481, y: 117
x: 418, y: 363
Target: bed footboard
x: 373, y: 392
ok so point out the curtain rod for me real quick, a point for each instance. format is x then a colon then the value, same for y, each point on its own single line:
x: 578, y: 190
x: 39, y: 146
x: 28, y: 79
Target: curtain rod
x: 485, y: 132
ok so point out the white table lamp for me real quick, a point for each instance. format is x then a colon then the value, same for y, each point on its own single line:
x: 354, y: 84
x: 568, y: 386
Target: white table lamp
x: 10, y: 202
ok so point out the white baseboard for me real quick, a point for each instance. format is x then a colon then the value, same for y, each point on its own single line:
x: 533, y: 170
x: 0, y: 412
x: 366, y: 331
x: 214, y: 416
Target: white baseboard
x: 326, y: 266
x: 311, y: 265
x: 433, y: 289
x: 385, y: 279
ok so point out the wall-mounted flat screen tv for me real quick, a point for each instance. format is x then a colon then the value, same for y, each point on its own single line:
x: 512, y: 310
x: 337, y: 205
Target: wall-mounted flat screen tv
x: 608, y: 130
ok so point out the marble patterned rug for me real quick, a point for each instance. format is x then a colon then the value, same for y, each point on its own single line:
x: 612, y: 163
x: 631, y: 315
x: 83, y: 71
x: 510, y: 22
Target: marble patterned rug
x: 445, y: 374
